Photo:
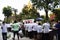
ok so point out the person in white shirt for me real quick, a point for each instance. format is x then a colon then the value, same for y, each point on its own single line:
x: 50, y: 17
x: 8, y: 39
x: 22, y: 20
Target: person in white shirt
x: 46, y: 28
x: 34, y: 29
x: 4, y: 30
x: 30, y: 30
x: 8, y: 27
x: 39, y: 31
x: 26, y: 29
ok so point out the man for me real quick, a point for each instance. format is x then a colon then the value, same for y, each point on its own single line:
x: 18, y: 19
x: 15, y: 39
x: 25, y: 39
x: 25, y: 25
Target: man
x: 39, y: 31
x: 4, y: 30
x: 53, y: 32
x: 29, y: 25
x: 15, y: 27
x: 46, y: 27
x: 57, y: 28
x: 34, y: 29
x: 26, y: 29
x: 8, y: 27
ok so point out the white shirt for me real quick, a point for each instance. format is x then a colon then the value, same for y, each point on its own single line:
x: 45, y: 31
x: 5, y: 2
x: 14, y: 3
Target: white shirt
x: 34, y: 26
x: 8, y: 25
x: 4, y: 28
x: 39, y: 29
x: 26, y: 26
x: 29, y: 27
x: 46, y: 27
x: 54, y: 25
x: 20, y: 24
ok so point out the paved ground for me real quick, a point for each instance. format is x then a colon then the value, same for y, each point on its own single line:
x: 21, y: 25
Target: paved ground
x: 24, y: 38
x: 0, y: 34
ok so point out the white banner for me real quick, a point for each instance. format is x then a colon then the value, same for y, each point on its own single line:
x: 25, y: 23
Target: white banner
x: 28, y: 21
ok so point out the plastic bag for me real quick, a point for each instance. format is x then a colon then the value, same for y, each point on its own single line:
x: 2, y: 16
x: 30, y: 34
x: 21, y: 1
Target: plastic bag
x: 9, y: 35
x: 21, y: 33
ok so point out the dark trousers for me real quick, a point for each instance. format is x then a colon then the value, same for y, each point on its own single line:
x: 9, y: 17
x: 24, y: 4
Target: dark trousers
x: 30, y: 34
x: 35, y: 34
x: 9, y: 29
x: 52, y: 34
x: 39, y: 36
x: 14, y: 33
x: 45, y: 36
x: 4, y: 35
x: 58, y: 36
x: 26, y: 33
x: 23, y: 32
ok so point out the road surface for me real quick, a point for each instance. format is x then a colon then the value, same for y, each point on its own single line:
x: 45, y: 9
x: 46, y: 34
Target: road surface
x: 24, y: 38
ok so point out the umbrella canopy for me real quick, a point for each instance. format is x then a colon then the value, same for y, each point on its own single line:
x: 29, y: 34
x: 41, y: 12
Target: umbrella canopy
x: 39, y: 19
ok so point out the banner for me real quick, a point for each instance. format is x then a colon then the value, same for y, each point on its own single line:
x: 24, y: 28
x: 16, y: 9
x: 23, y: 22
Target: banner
x: 28, y: 21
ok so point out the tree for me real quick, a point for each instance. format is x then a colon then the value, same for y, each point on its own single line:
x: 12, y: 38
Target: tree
x: 46, y: 4
x: 15, y: 10
x: 57, y: 13
x: 29, y: 13
x: 7, y: 12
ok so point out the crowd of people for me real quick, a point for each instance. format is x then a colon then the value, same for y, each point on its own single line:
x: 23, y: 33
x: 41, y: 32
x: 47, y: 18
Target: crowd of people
x: 35, y: 30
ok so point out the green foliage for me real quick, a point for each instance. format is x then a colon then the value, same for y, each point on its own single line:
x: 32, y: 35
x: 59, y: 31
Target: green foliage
x: 45, y: 4
x: 7, y: 11
x: 57, y: 13
x: 29, y: 13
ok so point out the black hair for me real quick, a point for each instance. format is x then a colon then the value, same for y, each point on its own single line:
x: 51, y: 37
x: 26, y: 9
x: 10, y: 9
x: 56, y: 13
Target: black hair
x: 39, y: 23
x: 35, y: 21
x: 3, y: 22
x: 15, y: 21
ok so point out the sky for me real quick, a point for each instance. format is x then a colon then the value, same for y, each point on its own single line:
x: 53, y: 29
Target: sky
x: 17, y: 4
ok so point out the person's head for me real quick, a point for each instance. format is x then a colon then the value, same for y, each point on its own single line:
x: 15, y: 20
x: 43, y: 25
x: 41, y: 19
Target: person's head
x: 3, y: 22
x: 15, y: 21
x: 19, y: 20
x: 45, y: 21
x: 53, y: 21
x: 7, y: 22
x: 35, y: 21
x: 39, y: 23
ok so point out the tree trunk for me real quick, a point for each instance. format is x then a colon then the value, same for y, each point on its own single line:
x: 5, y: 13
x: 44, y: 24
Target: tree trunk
x: 7, y: 20
x: 46, y: 14
x: 15, y: 14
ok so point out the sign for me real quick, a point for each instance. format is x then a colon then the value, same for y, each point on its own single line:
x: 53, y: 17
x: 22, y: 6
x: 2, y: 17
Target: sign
x: 28, y: 21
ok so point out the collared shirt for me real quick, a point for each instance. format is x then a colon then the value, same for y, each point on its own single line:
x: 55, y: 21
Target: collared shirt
x: 15, y: 27
x: 58, y: 27
x: 8, y: 25
x: 26, y: 26
x: 34, y: 26
x: 4, y: 28
x: 46, y: 27
x: 20, y: 24
x: 39, y: 29
x: 29, y: 27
